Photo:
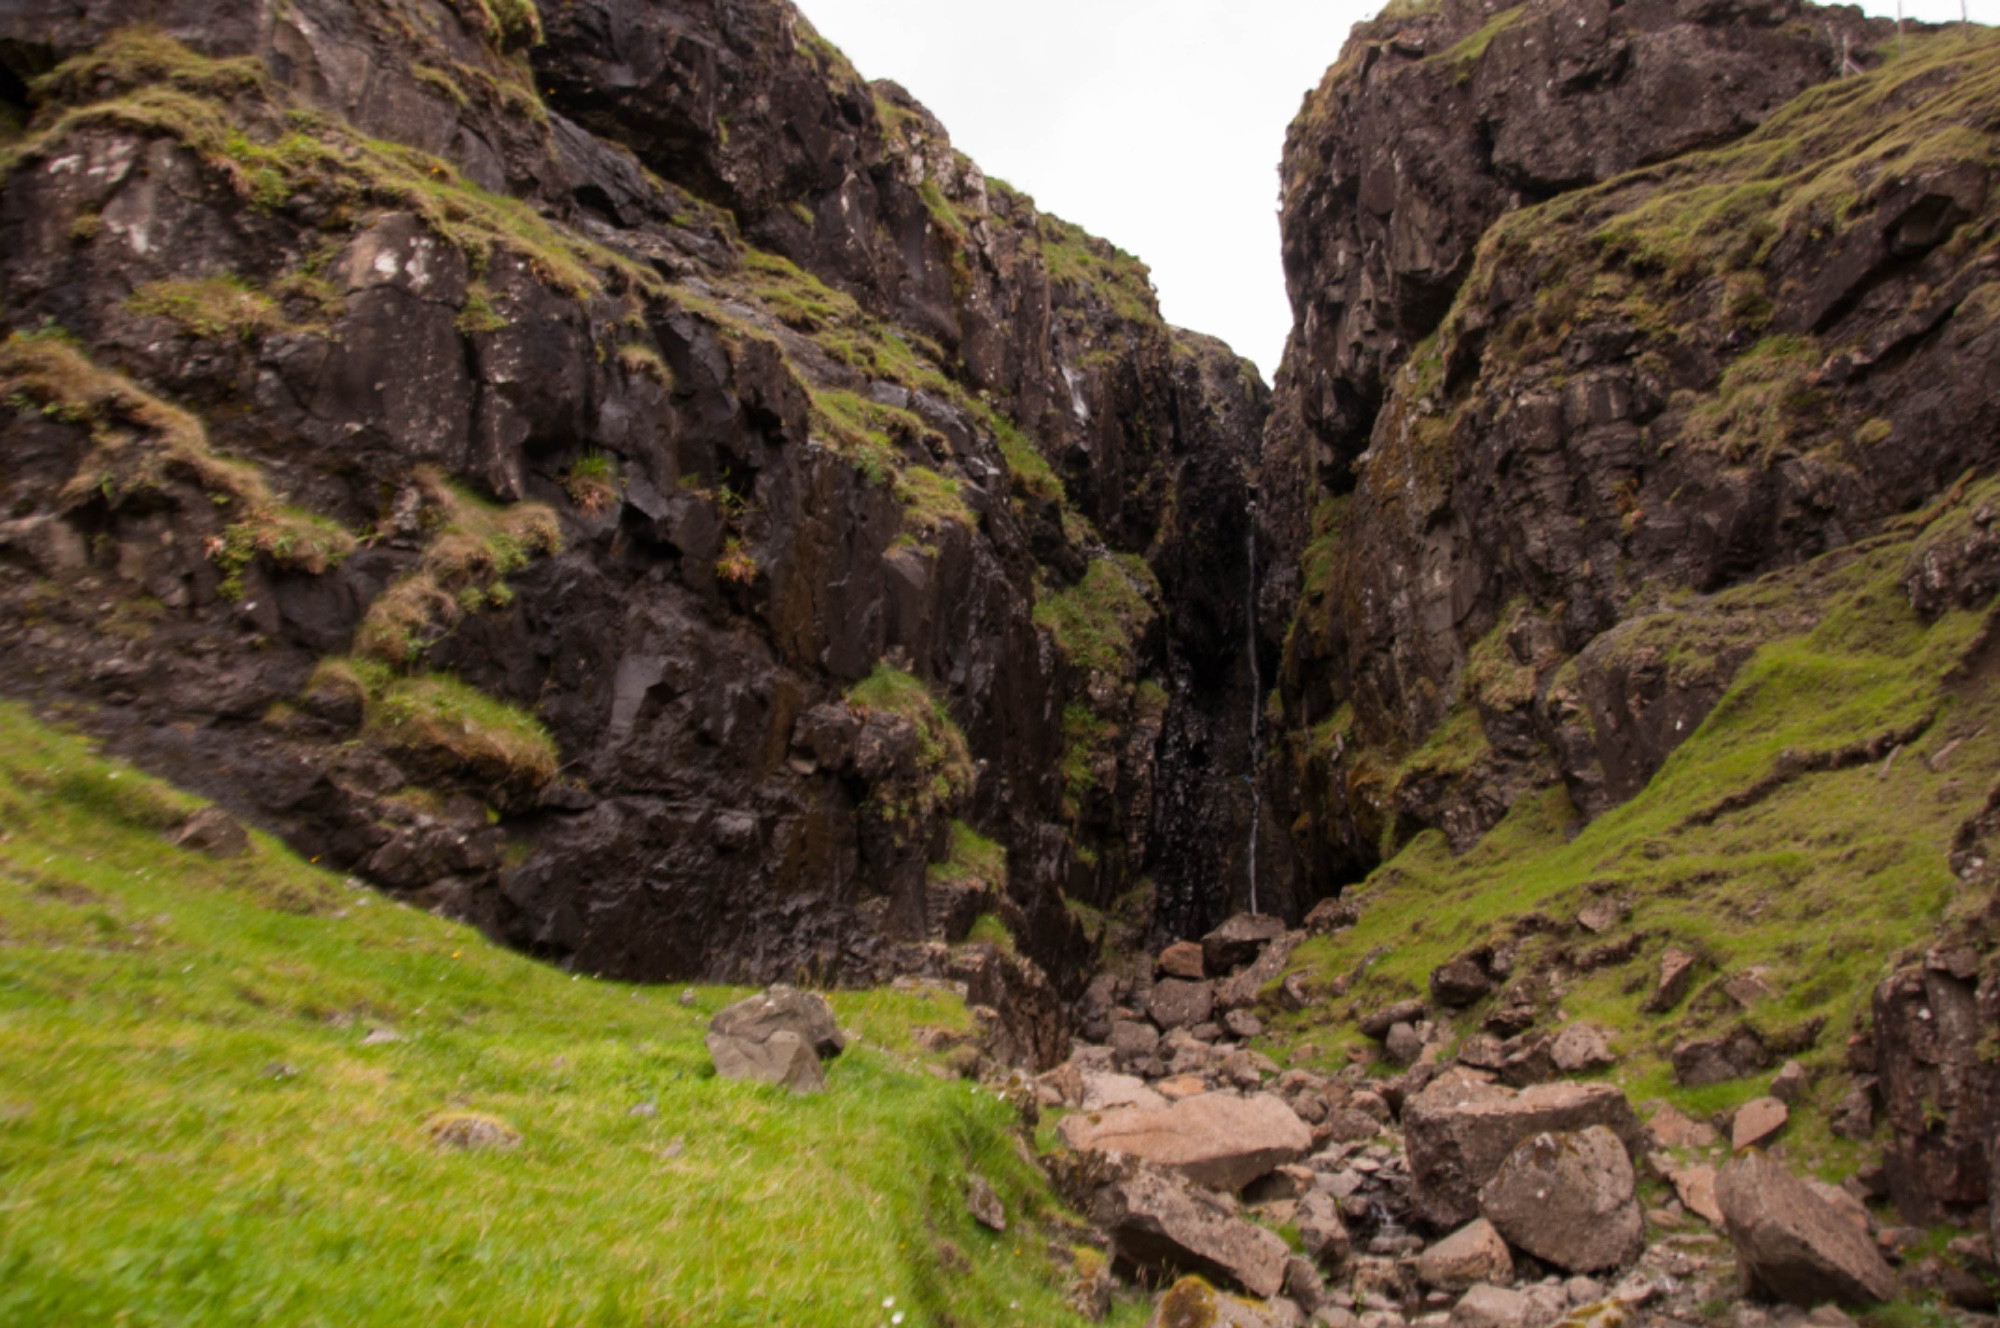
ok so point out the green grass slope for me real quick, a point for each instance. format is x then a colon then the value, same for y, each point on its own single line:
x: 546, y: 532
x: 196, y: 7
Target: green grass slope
x: 196, y: 1126
x: 1768, y: 842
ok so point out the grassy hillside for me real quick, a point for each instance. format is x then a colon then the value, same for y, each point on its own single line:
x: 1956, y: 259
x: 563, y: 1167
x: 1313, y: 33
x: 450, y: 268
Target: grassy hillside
x: 204, y: 1118
x: 1770, y: 842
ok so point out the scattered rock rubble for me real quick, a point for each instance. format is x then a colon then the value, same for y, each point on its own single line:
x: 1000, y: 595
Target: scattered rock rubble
x: 1477, y: 1187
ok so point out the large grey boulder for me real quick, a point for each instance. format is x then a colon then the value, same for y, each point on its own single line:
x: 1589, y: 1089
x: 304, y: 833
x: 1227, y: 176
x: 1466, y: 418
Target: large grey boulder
x: 1570, y: 1199
x: 1217, y: 1139
x: 1794, y: 1244
x: 1493, y: 1307
x: 1322, y: 1230
x: 775, y: 1037
x: 1459, y: 1130
x: 1158, y: 1220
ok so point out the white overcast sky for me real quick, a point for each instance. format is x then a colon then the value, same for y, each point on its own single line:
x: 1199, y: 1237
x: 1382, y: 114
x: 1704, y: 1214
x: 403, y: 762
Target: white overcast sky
x: 1155, y: 123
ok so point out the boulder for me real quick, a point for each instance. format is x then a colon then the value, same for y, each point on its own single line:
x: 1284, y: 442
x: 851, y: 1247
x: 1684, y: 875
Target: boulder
x: 1700, y: 1062
x: 1176, y: 1003
x: 1790, y: 1083
x: 781, y: 1007
x: 1132, y: 1040
x: 1331, y: 915
x: 1676, y: 976
x: 1217, y: 1139
x: 1472, y: 1254
x: 1460, y: 983
x: 1696, y: 1187
x: 1322, y: 1230
x: 1460, y: 1128
x: 1757, y: 1121
x: 1242, y: 1024
x: 984, y: 1204
x: 1239, y: 940
x: 1570, y: 1199
x: 783, y: 1057
x: 1404, y: 1044
x: 1493, y: 1307
x: 1794, y: 1244
x: 1240, y: 991
x: 213, y: 832
x: 1482, y: 1051
x: 1581, y: 1048
x: 1102, y: 1092
x: 1157, y: 1220
x: 1377, y: 1023
x: 1183, y: 959
x: 1193, y: 1303
x: 1673, y: 1128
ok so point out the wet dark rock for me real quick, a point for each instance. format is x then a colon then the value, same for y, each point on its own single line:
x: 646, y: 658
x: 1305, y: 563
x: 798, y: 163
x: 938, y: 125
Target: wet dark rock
x: 1239, y: 940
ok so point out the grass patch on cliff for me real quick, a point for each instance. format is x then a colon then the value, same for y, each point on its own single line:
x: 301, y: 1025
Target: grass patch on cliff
x: 942, y: 753
x: 474, y: 546
x: 195, y: 1126
x: 1816, y: 877
x: 243, y: 125
x: 1098, y: 622
x: 1090, y: 266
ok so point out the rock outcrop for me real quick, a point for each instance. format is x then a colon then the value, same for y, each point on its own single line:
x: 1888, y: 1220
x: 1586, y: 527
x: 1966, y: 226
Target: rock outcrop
x: 1793, y: 1244
x: 624, y: 481
x: 1219, y: 1140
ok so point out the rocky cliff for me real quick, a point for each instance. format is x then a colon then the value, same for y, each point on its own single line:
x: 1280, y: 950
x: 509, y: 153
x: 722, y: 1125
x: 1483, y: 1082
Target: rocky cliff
x: 614, y: 475
x: 1636, y: 318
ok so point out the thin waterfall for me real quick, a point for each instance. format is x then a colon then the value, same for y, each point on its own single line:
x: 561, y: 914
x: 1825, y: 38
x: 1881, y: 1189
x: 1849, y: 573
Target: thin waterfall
x: 1256, y: 703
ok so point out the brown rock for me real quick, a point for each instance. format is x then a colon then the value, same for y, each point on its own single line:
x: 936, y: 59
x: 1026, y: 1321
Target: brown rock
x: 1696, y: 1187
x: 1791, y: 1242
x: 1132, y: 1040
x: 1193, y: 1303
x: 1676, y: 976
x: 1749, y: 987
x: 1183, y: 959
x: 1404, y: 1044
x: 1700, y: 1062
x: 1161, y: 1221
x: 1673, y: 1128
x: 1242, y: 1024
x: 1581, y: 1048
x: 1331, y: 915
x: 783, y: 1057
x: 1322, y: 1230
x: 1102, y: 1092
x: 1493, y: 1307
x: 1459, y: 983
x: 1472, y: 1254
x: 1241, y: 990
x: 1600, y: 916
x: 1482, y: 1051
x: 1790, y: 1083
x: 984, y: 1204
x: 1216, y: 1139
x: 1460, y: 1128
x: 1175, y: 1003
x: 1239, y: 940
x: 781, y: 1007
x: 1181, y: 1086
x: 213, y: 832
x: 1570, y: 1199
x: 1377, y: 1023
x: 1757, y: 1121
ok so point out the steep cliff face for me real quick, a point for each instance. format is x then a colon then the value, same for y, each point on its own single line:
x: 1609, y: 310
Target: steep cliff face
x: 610, y: 474
x: 1536, y: 410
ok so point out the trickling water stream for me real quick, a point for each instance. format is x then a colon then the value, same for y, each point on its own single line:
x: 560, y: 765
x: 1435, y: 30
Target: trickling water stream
x: 1256, y: 700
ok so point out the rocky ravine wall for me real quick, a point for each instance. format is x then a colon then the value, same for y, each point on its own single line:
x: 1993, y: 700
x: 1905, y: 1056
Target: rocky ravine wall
x: 643, y: 368
x: 1594, y: 309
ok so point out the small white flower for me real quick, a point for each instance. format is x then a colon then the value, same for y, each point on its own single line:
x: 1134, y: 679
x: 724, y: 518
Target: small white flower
x: 888, y: 1302
x: 897, y: 1317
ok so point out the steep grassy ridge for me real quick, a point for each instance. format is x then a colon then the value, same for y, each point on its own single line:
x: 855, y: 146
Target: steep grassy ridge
x: 201, y: 1120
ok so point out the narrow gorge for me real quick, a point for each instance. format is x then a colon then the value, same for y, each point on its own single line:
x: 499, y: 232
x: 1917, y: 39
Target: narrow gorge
x: 591, y: 534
